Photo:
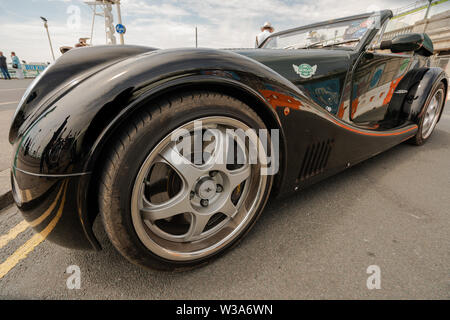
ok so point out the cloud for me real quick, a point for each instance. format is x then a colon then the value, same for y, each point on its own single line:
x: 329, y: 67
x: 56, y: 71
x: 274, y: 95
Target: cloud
x: 139, y: 8
x: 29, y: 39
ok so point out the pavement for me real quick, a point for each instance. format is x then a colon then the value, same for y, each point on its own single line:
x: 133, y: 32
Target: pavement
x: 10, y: 93
x: 391, y: 211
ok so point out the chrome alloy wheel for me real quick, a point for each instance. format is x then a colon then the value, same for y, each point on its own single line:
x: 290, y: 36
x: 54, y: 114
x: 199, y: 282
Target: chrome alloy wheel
x: 432, y: 113
x: 184, y: 209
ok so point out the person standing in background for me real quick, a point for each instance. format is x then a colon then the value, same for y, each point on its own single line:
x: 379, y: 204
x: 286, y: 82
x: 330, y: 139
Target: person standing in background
x: 266, y: 30
x: 4, y: 67
x: 16, y: 65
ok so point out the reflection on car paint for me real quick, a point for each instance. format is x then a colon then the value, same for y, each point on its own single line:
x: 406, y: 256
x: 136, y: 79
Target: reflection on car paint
x: 325, y: 93
x: 376, y: 78
x: 277, y: 99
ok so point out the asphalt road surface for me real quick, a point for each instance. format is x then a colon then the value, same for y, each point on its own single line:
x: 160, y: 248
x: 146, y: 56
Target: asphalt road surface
x: 391, y: 211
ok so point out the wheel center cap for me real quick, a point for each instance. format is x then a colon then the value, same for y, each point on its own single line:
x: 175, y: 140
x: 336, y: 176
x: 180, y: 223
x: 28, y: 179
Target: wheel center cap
x: 206, y: 188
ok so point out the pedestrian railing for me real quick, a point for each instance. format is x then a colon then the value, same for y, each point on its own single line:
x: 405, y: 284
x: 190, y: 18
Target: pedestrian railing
x: 31, y: 70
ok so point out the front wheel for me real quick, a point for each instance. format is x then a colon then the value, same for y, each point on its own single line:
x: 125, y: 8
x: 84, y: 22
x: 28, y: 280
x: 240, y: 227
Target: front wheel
x: 178, y: 188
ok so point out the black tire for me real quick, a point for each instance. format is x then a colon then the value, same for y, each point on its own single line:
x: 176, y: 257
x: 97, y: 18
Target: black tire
x: 130, y: 147
x: 419, y: 138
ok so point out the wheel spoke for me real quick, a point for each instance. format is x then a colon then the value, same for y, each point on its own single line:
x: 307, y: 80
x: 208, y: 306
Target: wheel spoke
x: 433, y: 104
x: 186, y: 169
x: 218, y: 160
x: 433, y: 112
x: 176, y: 205
x: 198, y: 224
x: 426, y: 121
x: 236, y: 177
x: 229, y: 209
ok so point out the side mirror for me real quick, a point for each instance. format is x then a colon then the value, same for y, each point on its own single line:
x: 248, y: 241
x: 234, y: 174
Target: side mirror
x: 403, y: 43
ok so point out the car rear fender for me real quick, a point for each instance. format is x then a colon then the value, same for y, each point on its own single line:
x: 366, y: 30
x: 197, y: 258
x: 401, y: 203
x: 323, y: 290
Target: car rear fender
x: 420, y: 91
x: 179, y: 85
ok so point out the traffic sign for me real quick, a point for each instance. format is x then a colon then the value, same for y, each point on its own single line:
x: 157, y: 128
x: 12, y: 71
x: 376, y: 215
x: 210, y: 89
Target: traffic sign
x: 120, y: 28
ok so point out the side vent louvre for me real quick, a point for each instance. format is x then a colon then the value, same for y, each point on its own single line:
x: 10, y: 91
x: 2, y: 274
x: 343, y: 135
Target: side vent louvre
x: 316, y: 159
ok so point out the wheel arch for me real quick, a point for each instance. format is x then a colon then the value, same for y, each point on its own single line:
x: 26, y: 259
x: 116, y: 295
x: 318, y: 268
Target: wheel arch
x: 445, y: 81
x: 108, y: 130
x: 430, y: 80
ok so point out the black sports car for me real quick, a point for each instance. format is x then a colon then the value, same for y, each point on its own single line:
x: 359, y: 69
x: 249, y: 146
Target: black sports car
x: 179, y: 150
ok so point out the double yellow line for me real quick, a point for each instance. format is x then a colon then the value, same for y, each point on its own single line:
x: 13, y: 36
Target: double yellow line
x: 36, y: 239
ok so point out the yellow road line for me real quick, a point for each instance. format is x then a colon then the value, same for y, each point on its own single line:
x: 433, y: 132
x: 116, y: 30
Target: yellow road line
x: 19, y: 228
x: 23, y: 225
x: 9, y: 102
x: 35, y: 240
x: 13, y: 89
x: 20, y: 254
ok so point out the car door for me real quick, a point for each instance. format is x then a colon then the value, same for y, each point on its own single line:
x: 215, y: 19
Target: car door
x: 374, y: 82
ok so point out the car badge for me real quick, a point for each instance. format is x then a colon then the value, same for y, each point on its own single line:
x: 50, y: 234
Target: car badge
x: 305, y: 70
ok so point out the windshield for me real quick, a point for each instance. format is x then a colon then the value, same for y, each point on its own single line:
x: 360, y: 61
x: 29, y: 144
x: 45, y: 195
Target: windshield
x: 346, y: 34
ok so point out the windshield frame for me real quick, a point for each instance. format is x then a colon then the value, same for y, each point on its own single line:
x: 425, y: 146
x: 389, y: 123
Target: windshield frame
x: 383, y: 15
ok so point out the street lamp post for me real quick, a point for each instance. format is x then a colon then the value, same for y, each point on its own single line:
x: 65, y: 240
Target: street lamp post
x: 48, y: 35
x: 426, y: 15
x: 428, y: 8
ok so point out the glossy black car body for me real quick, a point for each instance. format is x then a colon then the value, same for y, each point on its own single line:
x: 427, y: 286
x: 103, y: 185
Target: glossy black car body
x: 327, y: 123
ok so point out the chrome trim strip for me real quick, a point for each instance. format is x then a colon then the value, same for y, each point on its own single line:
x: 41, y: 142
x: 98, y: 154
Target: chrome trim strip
x: 52, y: 175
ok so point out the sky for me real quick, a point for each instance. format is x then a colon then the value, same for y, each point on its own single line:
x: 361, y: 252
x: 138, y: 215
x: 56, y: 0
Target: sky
x: 164, y: 24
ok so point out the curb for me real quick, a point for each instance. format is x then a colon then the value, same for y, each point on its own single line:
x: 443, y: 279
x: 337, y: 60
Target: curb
x: 6, y: 197
x: 6, y: 200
